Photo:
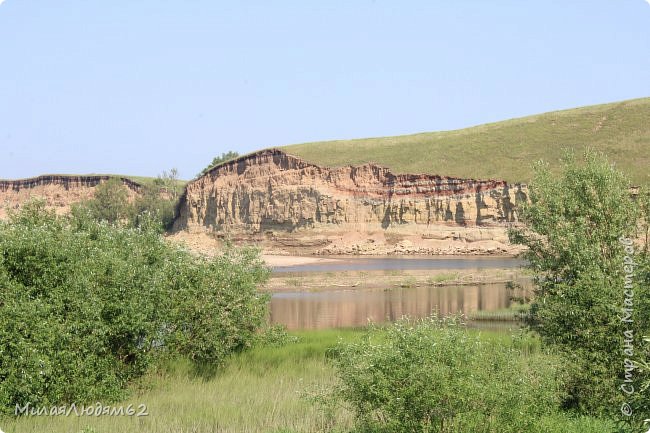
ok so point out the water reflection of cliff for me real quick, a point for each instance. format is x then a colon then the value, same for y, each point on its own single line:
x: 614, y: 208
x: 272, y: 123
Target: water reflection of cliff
x: 344, y: 308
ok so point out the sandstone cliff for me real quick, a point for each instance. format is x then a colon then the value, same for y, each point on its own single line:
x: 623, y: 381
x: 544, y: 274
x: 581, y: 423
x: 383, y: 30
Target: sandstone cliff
x: 275, y: 197
x: 58, y: 191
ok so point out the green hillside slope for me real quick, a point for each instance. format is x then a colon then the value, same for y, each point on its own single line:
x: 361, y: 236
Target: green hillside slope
x: 504, y: 150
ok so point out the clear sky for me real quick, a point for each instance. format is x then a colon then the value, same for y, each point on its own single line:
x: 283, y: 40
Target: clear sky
x: 139, y: 86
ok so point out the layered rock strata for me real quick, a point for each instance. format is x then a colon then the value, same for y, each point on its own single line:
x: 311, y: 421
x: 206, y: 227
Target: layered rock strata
x: 274, y: 196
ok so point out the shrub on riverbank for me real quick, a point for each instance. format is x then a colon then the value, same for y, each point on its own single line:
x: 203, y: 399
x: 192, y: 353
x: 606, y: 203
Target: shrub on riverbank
x: 260, y: 391
x: 433, y: 375
x: 87, y: 307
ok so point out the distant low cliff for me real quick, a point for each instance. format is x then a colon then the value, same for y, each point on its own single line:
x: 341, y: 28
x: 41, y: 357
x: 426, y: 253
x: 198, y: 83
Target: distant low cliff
x: 58, y: 191
x: 278, y: 194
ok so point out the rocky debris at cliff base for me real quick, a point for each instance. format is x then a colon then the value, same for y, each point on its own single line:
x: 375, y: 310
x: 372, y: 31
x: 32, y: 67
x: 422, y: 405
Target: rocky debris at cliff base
x: 408, y: 248
x: 350, y: 243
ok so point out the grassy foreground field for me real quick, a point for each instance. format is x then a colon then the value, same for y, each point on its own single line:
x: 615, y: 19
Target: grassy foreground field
x: 259, y: 391
x: 504, y: 150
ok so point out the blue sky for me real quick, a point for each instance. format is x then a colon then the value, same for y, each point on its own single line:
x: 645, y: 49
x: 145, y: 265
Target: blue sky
x: 139, y: 86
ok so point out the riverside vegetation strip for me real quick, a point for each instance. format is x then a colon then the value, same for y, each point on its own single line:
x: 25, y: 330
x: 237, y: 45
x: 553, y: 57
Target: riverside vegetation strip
x: 267, y: 389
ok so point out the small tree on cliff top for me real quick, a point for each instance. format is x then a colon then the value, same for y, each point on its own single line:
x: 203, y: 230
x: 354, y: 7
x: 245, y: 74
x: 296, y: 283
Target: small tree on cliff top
x: 227, y: 156
x: 573, y: 224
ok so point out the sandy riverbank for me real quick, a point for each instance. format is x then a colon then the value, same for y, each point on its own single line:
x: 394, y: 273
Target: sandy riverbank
x: 391, y: 279
x: 278, y: 260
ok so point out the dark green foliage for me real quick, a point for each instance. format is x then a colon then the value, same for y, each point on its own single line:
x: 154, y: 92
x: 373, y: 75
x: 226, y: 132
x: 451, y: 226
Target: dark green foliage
x: 214, y: 304
x: 87, y: 307
x: 573, y: 224
x: 433, y: 375
x: 218, y: 160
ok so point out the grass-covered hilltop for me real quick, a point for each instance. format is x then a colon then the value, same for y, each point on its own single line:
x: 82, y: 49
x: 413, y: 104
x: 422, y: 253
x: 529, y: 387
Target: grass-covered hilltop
x: 504, y: 150
x: 500, y: 150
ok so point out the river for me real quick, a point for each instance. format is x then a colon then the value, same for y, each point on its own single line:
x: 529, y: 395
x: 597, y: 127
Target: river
x: 338, y: 264
x: 353, y: 307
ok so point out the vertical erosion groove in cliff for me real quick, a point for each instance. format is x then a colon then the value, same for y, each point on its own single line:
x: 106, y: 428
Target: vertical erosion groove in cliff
x: 271, y: 190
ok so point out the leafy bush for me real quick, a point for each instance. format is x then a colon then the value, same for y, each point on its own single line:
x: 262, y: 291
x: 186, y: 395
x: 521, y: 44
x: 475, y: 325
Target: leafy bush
x: 110, y: 202
x: 275, y: 336
x: 87, y: 307
x: 433, y: 375
x: 573, y: 227
x: 155, y: 204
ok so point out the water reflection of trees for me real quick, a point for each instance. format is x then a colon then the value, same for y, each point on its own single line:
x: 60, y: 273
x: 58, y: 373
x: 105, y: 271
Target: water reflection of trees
x: 354, y: 308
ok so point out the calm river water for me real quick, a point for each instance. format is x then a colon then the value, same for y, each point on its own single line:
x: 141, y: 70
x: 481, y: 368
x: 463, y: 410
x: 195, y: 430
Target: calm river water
x: 352, y: 307
x: 404, y: 263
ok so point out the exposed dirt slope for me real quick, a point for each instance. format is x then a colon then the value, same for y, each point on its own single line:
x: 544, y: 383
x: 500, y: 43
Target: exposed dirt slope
x: 58, y: 191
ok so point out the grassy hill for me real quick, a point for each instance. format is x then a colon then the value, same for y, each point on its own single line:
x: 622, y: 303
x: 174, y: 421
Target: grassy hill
x: 504, y: 150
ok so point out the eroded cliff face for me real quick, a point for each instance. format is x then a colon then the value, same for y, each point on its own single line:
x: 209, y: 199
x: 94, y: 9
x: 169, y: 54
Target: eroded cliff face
x: 282, y: 197
x: 58, y: 191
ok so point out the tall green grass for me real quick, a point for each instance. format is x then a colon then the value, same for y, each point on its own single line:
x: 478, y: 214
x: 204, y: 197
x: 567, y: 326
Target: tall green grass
x: 514, y: 313
x: 262, y: 390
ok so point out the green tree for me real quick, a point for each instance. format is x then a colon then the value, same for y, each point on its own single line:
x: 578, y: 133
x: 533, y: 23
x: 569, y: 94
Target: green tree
x: 153, y: 204
x: 87, y: 307
x: 110, y: 202
x: 227, y: 156
x: 572, y: 228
